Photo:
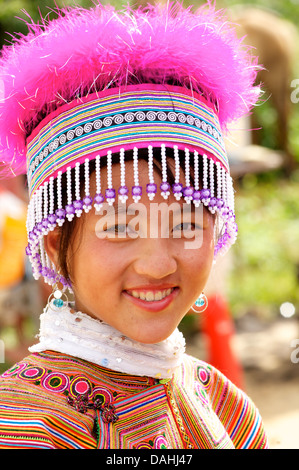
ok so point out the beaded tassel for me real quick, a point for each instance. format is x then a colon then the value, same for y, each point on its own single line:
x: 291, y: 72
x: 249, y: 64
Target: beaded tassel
x: 205, y: 193
x: 213, y: 201
x: 177, y: 186
x: 78, y: 204
x: 60, y: 212
x: 165, y: 186
x: 188, y: 190
x: 110, y: 192
x: 87, y: 200
x: 196, y: 194
x: 137, y: 189
x: 99, y: 198
x: 70, y: 210
x: 123, y: 190
x: 151, y: 187
x: 51, y: 215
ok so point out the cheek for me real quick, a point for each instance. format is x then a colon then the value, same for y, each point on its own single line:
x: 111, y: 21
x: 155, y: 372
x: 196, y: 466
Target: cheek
x: 95, y: 264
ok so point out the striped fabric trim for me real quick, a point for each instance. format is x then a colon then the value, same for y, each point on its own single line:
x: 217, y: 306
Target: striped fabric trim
x: 198, y: 409
x: 139, y: 116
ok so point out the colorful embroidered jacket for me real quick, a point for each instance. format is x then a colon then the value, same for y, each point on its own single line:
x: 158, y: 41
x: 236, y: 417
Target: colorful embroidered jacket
x: 51, y: 400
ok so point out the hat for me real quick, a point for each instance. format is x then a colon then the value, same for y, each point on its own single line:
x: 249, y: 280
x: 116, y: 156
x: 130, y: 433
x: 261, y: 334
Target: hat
x: 95, y: 83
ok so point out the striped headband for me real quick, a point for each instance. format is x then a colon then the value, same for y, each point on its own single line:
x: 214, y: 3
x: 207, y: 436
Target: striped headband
x: 115, y: 121
x: 140, y: 116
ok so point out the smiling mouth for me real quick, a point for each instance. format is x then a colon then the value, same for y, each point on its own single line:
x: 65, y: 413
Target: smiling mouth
x: 151, y: 296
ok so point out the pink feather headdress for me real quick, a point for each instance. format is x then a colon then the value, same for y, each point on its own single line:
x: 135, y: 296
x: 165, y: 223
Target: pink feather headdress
x: 84, y: 51
x: 82, y: 55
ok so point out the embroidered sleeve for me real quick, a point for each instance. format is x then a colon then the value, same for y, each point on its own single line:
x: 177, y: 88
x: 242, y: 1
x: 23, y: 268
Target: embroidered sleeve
x: 34, y: 421
x: 237, y: 412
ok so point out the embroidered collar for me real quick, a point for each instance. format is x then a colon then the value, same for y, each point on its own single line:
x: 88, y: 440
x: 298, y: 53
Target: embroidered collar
x: 79, y: 335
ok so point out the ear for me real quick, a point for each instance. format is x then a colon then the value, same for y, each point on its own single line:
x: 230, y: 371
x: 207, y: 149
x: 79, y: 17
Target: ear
x: 51, y: 243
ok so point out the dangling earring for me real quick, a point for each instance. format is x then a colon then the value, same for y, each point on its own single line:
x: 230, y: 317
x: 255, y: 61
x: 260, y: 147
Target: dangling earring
x: 201, y: 304
x: 58, y: 298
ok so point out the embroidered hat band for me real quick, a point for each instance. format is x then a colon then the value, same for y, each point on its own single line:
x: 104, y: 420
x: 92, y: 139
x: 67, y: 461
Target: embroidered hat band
x: 140, y: 116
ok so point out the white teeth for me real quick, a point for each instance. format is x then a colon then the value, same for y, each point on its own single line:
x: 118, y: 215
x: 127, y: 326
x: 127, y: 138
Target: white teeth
x: 151, y: 296
x: 158, y: 296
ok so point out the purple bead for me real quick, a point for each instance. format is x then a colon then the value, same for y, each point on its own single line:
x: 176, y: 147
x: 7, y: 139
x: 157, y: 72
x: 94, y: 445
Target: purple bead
x: 39, y: 226
x: 137, y: 190
x: 213, y: 202
x: 98, y: 199
x: 31, y: 236
x: 45, y: 223
x: 44, y: 271
x: 220, y: 203
x: 151, y: 188
x: 196, y: 195
x: 188, y: 191
x: 165, y: 186
x: 70, y: 209
x: 205, y: 193
x: 110, y: 193
x: 63, y: 281
x: 87, y: 200
x: 39, y: 266
x: 177, y: 187
x: 28, y: 250
x: 60, y: 213
x: 123, y: 191
x: 78, y: 205
x: 52, y: 218
x: 36, y: 232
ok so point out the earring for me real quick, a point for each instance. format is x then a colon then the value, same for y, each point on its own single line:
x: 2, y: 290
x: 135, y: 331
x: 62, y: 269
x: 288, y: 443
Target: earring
x: 201, y: 304
x: 58, y: 298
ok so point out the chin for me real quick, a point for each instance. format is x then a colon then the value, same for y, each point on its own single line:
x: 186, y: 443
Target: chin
x: 153, y: 337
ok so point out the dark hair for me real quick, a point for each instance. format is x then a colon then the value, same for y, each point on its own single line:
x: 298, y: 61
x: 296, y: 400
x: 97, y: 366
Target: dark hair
x: 68, y: 228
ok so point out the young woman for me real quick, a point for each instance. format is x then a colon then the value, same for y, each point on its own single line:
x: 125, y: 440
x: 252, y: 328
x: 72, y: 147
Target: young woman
x: 119, y: 118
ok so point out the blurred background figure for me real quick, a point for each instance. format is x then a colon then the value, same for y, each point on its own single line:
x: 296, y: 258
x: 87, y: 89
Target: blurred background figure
x: 18, y: 297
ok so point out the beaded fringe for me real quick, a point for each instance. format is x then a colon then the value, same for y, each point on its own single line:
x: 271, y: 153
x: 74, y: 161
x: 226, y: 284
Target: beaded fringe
x: 45, y: 209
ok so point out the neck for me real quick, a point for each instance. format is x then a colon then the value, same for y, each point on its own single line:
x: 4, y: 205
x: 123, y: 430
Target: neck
x: 79, y: 335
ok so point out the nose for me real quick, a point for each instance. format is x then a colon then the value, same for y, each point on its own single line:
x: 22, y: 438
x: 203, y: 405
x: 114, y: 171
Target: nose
x: 155, y: 259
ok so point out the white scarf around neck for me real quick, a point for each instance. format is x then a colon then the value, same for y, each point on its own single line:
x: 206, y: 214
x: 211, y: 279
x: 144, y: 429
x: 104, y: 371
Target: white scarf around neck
x: 84, y: 337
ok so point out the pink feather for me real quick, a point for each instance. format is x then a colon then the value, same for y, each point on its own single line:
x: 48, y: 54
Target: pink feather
x: 84, y: 51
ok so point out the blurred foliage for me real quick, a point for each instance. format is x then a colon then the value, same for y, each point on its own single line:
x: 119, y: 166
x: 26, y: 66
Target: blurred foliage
x: 15, y: 13
x: 266, y: 255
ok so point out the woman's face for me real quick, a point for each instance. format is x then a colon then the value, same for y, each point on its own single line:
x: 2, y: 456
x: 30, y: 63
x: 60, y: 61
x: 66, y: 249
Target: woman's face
x: 139, y: 273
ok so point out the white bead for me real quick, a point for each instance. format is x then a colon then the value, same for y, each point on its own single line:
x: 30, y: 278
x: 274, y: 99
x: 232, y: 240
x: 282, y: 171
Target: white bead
x: 77, y: 181
x: 86, y: 175
x: 59, y: 190
x: 212, y: 177
x: 196, y: 173
x: 109, y: 169
x: 150, y: 164
x: 177, y: 164
x: 51, y: 195
x: 98, y: 175
x: 205, y: 172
